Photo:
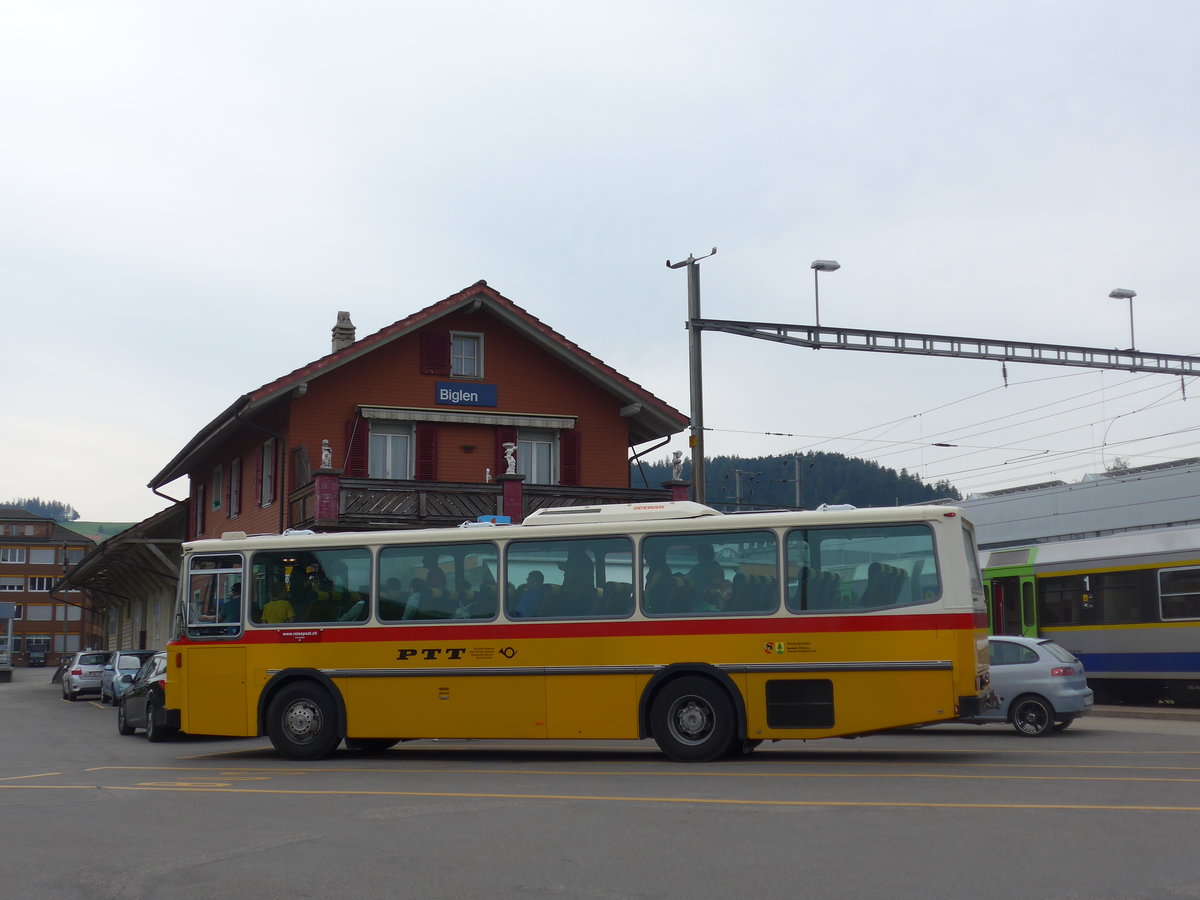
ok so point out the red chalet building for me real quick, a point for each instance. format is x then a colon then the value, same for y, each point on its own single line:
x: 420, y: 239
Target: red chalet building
x: 408, y: 428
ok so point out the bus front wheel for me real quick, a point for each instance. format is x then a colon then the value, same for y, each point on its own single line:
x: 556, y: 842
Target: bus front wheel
x: 302, y: 722
x: 692, y: 720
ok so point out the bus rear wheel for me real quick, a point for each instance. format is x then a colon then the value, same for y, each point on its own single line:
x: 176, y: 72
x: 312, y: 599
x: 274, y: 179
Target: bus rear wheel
x: 692, y: 720
x: 302, y: 722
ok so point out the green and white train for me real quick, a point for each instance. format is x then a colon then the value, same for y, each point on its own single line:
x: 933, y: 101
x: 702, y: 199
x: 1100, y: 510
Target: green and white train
x: 1128, y: 605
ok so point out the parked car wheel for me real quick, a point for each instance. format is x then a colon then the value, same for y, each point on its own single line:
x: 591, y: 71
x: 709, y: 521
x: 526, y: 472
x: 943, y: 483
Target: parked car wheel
x: 156, y: 732
x: 1032, y: 716
x: 123, y: 726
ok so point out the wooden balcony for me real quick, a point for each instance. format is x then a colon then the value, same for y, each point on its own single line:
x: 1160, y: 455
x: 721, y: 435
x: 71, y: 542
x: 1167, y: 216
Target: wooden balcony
x: 366, y: 504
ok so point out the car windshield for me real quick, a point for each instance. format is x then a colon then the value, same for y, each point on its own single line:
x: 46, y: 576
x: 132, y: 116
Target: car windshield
x: 131, y: 663
x: 1061, y: 653
x: 93, y: 659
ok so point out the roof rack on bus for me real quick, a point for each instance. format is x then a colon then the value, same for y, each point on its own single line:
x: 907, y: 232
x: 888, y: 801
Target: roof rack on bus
x: 835, y: 507
x: 244, y: 536
x: 619, y: 512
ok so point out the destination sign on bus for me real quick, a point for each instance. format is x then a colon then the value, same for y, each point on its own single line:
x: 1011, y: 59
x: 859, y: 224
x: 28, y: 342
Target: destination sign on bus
x: 449, y: 393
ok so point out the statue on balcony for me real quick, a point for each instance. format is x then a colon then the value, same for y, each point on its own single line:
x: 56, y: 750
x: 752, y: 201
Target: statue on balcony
x: 510, y: 458
x: 326, y: 455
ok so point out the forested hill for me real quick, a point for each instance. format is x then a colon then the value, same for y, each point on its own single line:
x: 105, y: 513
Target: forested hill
x: 770, y: 482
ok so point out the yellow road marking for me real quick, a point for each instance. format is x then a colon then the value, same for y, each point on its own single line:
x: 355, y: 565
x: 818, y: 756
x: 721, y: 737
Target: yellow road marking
x: 265, y: 775
x: 698, y: 801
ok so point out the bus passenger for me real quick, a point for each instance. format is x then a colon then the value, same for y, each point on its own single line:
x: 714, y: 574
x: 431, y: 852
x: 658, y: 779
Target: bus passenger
x: 231, y: 608
x: 279, y: 610
x: 529, y: 597
x: 715, y: 595
x: 579, y: 577
x: 658, y: 579
x: 707, y: 569
x: 418, y: 595
x: 435, y: 577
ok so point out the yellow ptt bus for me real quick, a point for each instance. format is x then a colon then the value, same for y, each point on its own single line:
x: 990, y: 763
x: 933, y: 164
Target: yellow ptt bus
x: 708, y: 632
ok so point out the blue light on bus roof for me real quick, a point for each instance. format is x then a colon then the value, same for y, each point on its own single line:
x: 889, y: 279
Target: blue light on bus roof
x: 494, y: 520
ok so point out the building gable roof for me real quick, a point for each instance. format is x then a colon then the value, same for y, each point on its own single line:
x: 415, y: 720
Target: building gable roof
x: 649, y: 417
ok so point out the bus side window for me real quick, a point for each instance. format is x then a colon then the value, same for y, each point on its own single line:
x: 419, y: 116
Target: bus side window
x: 569, y: 579
x: 719, y: 573
x: 861, y: 567
x: 437, y: 582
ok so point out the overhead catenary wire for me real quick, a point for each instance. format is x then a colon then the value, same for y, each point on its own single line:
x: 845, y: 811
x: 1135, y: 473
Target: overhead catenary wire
x: 1049, y: 459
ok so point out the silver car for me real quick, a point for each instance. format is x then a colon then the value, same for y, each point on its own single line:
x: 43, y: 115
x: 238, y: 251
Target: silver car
x: 1041, y: 686
x: 122, y: 662
x: 82, y: 673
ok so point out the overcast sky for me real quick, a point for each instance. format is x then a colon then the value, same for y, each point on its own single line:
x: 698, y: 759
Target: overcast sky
x: 190, y: 192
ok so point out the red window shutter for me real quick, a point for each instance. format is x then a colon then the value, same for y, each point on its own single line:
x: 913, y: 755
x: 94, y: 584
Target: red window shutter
x: 435, y: 352
x: 358, y: 443
x: 568, y: 457
x: 503, y: 436
x: 426, y: 452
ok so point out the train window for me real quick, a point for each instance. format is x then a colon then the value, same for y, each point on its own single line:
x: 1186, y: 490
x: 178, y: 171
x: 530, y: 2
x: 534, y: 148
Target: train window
x: 1124, y: 597
x: 1179, y: 593
x: 1063, y: 600
x: 1098, y: 599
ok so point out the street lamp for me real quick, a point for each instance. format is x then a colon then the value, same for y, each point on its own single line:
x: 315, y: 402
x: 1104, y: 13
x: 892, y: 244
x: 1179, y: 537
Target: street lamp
x: 818, y: 266
x: 1125, y: 294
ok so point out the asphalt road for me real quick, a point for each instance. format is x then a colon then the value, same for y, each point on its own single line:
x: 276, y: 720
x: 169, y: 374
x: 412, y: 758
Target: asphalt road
x: 1108, y: 809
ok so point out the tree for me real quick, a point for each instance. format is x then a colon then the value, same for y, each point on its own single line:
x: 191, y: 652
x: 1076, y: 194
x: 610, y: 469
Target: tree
x: 50, y: 509
x: 771, y: 482
x: 1119, y: 466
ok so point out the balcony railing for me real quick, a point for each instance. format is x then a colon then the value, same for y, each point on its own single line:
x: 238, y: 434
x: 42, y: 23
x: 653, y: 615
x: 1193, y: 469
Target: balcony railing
x: 377, y: 503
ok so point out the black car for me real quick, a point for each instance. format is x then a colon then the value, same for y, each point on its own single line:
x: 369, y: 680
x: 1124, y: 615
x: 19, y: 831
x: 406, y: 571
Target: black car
x: 143, y: 703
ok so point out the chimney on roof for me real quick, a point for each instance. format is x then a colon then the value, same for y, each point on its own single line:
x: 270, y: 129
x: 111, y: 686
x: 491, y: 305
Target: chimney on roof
x: 343, y: 332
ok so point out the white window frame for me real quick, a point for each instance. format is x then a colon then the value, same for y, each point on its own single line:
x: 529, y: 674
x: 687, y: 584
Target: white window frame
x: 459, y: 368
x: 12, y: 583
x: 387, y: 434
x: 268, y: 473
x: 218, y: 485
x: 527, y: 464
x: 235, y: 487
x: 12, y: 555
x: 41, y: 582
x: 199, y: 512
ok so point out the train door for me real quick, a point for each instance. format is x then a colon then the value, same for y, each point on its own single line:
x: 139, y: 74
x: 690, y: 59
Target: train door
x: 1013, y: 610
x: 1029, y: 622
